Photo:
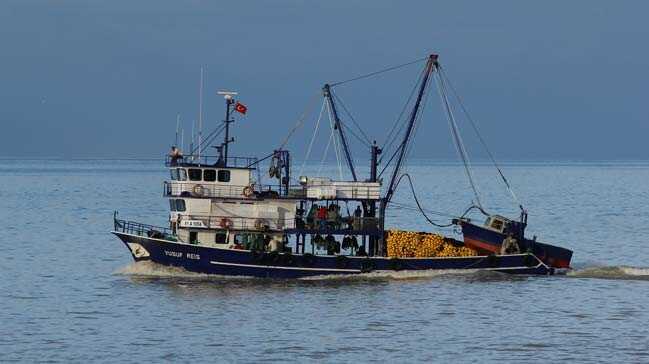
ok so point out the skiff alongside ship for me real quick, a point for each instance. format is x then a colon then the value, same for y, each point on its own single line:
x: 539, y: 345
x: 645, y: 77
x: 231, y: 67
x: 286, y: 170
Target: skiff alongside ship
x: 224, y: 220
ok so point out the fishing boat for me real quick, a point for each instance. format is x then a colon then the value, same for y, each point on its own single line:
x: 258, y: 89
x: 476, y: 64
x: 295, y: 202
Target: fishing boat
x: 225, y: 220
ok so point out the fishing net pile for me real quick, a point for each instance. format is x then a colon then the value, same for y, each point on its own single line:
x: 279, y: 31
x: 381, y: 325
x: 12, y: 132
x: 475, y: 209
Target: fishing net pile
x: 410, y: 244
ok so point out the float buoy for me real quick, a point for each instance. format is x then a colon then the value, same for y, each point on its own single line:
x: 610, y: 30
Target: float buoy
x: 198, y: 190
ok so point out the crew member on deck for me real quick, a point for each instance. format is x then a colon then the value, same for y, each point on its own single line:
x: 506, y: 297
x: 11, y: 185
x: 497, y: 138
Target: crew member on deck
x: 175, y: 154
x: 358, y: 213
x: 509, y: 245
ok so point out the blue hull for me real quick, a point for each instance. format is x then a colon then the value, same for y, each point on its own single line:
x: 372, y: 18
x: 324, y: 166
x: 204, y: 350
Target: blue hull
x: 488, y: 240
x: 231, y: 262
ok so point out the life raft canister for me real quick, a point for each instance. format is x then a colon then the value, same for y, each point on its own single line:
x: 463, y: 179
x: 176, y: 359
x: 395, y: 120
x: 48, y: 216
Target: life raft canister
x: 225, y: 223
x: 198, y: 190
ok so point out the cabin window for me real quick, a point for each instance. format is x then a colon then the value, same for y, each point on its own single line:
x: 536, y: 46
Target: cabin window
x: 224, y: 176
x: 209, y: 175
x: 174, y: 174
x: 193, y: 237
x: 220, y: 238
x: 180, y: 205
x: 182, y: 174
x: 195, y: 174
x: 172, y: 204
x: 497, y: 224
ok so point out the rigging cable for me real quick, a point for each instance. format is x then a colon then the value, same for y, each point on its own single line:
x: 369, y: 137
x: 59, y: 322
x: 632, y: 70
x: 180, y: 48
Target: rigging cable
x: 459, y: 145
x: 300, y: 120
x: 210, y: 137
x: 315, y: 132
x: 421, y: 210
x: 336, y: 147
x: 379, y: 72
x: 340, y: 101
x: 482, y: 141
x: 401, y: 145
x: 326, y: 151
x: 390, y: 139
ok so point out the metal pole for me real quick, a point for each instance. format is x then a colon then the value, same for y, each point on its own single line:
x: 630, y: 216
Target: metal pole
x: 228, y: 102
x: 327, y: 93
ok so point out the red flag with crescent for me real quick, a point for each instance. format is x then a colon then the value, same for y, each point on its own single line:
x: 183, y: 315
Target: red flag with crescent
x: 241, y: 108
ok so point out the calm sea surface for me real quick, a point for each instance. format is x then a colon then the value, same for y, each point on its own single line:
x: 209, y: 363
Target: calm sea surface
x: 70, y: 293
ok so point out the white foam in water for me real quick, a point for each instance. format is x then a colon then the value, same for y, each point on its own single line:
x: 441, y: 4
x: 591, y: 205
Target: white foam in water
x: 612, y: 272
x: 404, y: 274
x: 150, y: 269
x: 154, y: 270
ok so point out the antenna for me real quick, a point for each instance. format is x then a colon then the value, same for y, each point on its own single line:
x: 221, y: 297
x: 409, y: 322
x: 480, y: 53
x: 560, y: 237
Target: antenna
x: 182, y: 139
x: 227, y: 95
x: 191, y: 144
x: 177, y: 127
x: 200, y: 115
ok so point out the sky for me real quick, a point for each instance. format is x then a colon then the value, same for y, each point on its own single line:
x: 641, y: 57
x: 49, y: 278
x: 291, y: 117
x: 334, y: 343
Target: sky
x: 550, y: 80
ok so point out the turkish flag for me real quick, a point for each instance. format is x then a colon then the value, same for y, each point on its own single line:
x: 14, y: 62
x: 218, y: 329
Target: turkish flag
x: 239, y: 107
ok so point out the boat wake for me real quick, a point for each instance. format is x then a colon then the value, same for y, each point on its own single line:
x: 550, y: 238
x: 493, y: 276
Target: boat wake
x: 473, y: 274
x: 149, y: 269
x: 612, y: 272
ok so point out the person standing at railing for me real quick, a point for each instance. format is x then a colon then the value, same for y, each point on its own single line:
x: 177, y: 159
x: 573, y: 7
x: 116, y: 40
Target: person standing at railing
x: 175, y: 154
x: 358, y: 213
x: 311, y: 216
x: 321, y: 217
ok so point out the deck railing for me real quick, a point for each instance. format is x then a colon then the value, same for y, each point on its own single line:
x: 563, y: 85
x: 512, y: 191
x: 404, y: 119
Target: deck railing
x: 137, y: 228
x: 211, y: 160
x: 190, y: 189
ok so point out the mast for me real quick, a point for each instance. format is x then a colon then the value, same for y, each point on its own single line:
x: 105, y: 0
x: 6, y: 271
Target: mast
x: 200, y: 116
x: 432, y: 61
x: 337, y: 125
x: 229, y: 101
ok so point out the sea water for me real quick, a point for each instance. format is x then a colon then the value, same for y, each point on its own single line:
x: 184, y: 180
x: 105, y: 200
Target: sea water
x: 70, y: 293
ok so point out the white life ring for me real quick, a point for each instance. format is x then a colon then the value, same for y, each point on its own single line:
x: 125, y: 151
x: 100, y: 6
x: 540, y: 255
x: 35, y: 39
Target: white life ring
x: 198, y: 190
x: 249, y: 190
x: 260, y: 223
x: 225, y: 223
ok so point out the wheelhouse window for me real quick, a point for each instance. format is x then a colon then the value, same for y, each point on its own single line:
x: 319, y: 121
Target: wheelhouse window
x: 195, y: 174
x: 209, y: 175
x: 179, y: 205
x: 174, y: 174
x: 221, y: 238
x: 182, y: 174
x: 172, y: 204
x: 224, y: 176
x: 497, y: 224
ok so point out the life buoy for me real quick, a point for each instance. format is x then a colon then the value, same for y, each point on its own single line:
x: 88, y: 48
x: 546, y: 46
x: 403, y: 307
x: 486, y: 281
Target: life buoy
x: 198, y: 190
x: 260, y: 224
x: 249, y: 190
x: 225, y: 223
